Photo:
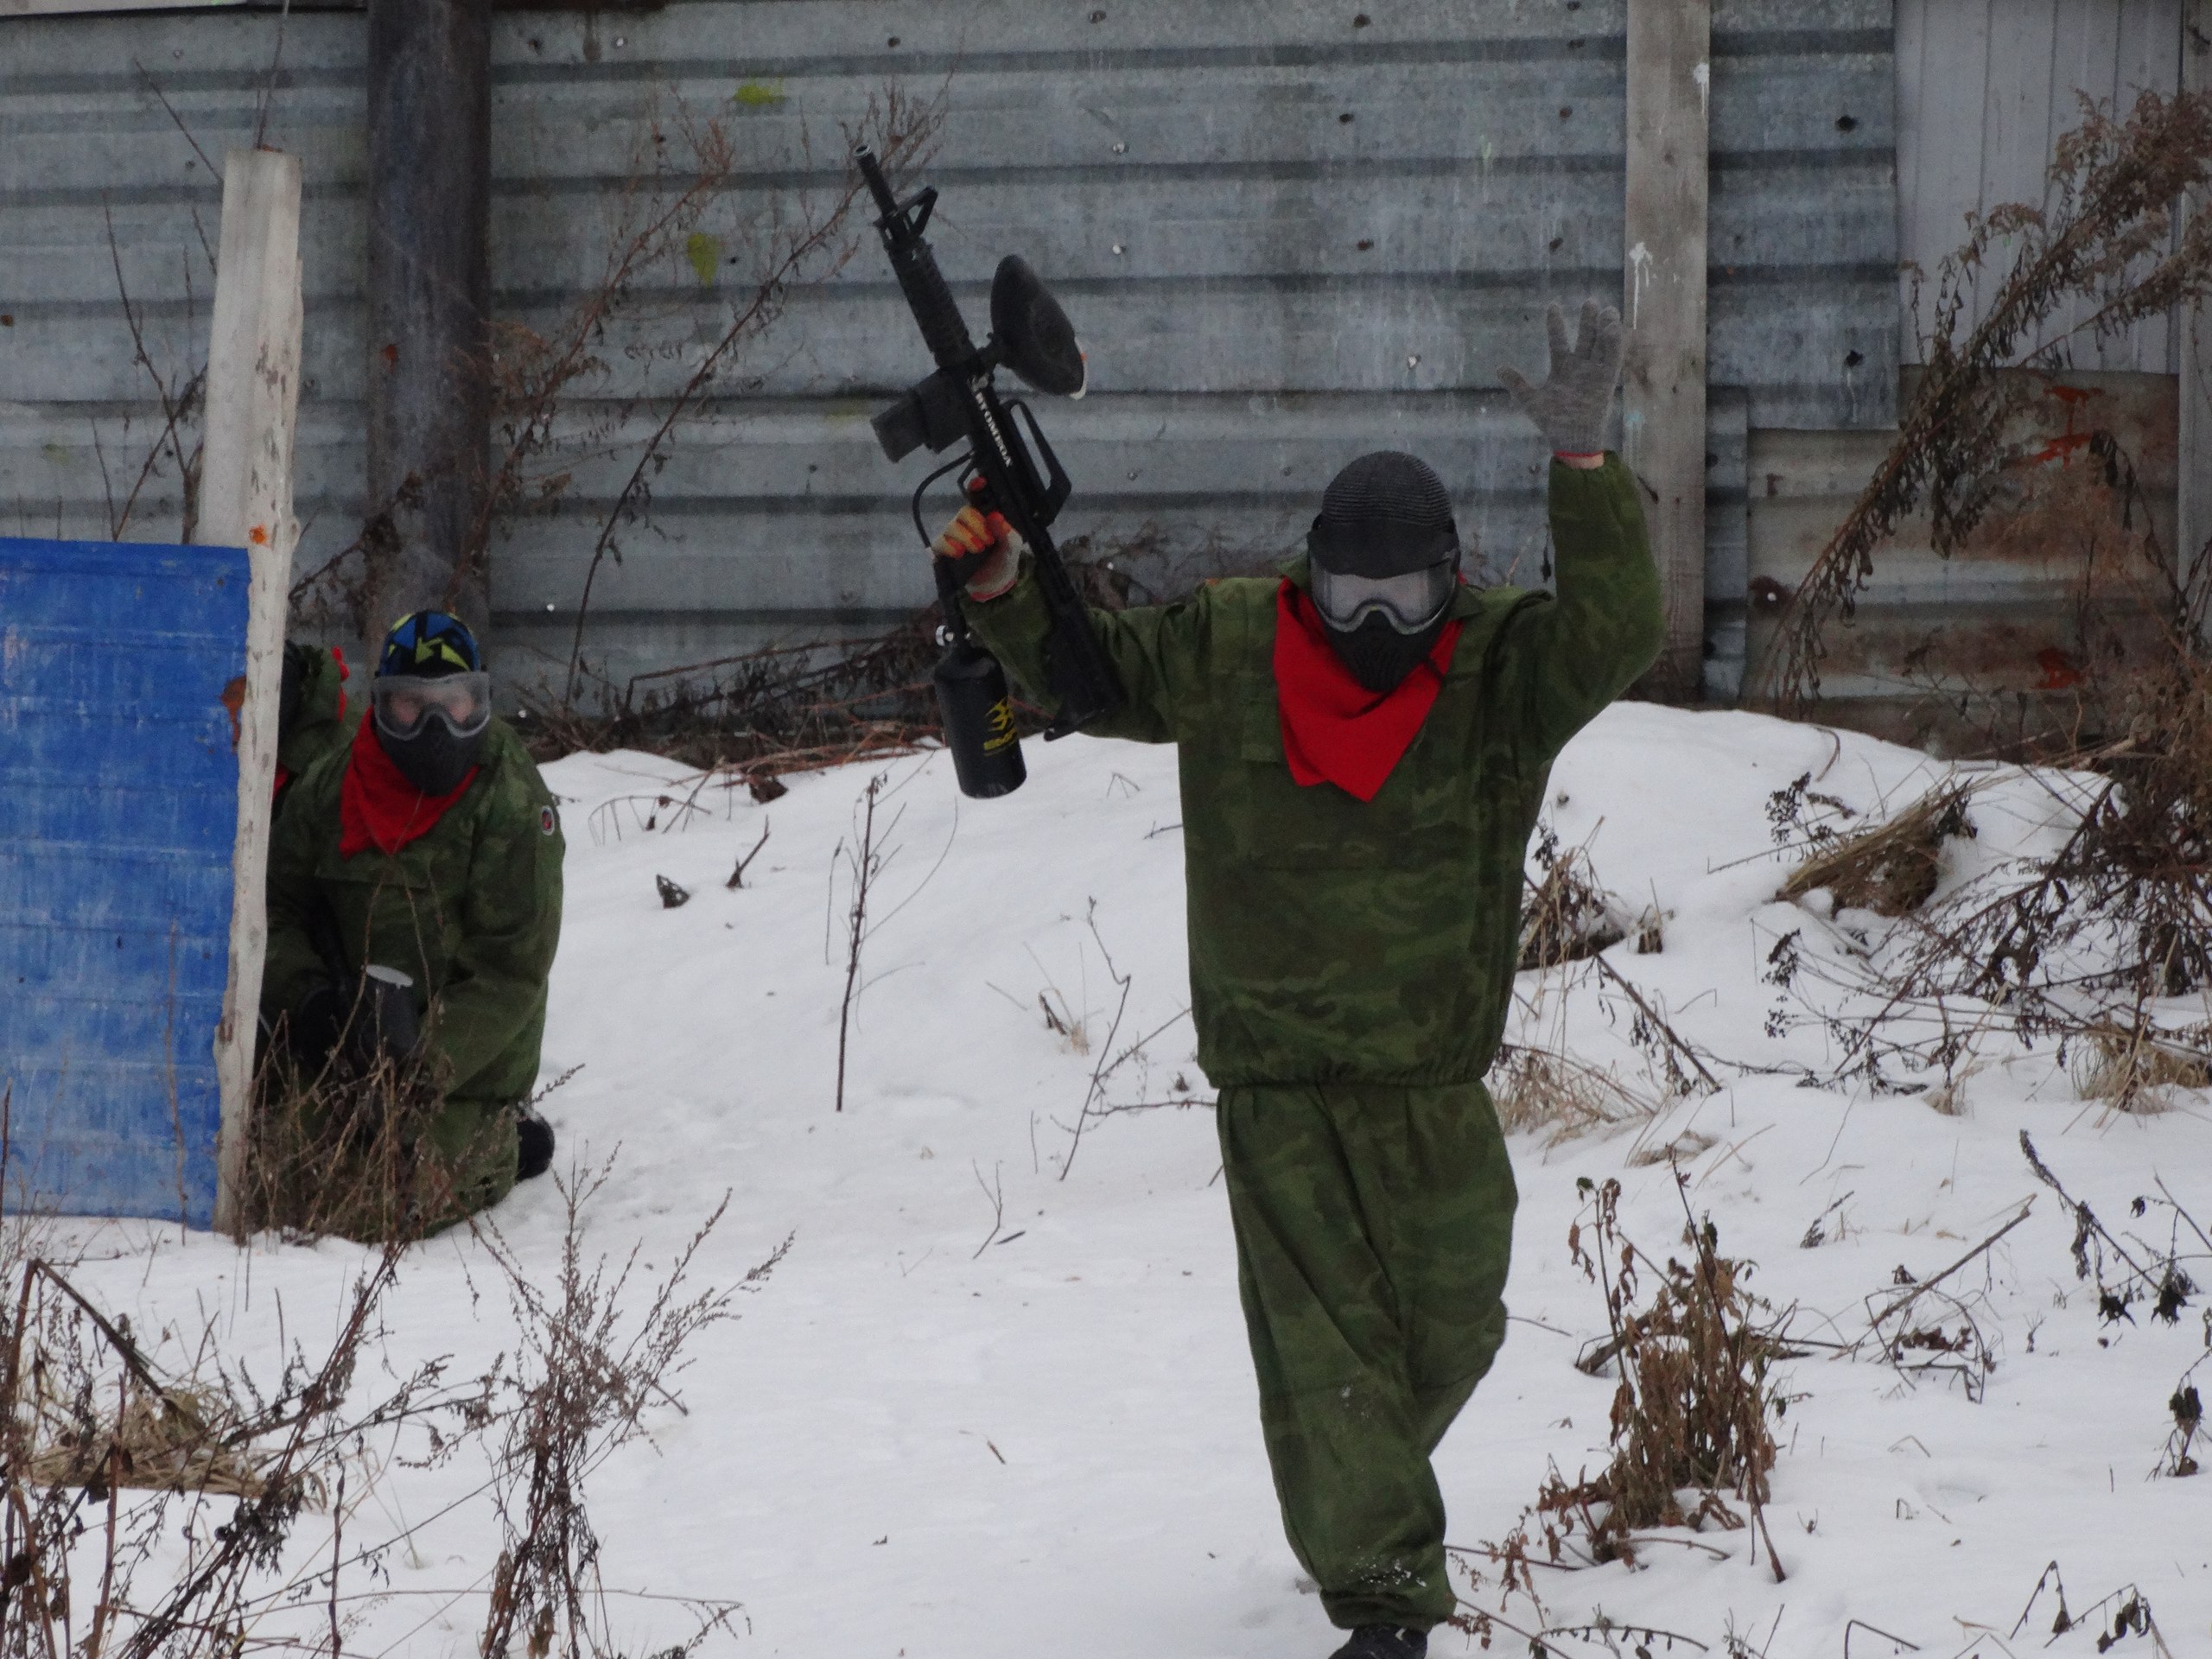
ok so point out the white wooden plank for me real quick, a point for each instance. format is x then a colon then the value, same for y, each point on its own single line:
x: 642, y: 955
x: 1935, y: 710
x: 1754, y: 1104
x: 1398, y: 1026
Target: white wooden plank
x: 253, y: 388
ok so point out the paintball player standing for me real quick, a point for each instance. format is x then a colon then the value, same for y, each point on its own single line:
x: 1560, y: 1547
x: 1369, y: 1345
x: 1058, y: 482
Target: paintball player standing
x: 1365, y: 748
x: 426, y: 855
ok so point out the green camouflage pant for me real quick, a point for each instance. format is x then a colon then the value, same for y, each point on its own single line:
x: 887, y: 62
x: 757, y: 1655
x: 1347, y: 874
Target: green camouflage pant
x: 1374, y: 1226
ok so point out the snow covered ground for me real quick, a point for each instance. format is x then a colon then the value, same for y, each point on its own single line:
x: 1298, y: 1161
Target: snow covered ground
x: 918, y: 1442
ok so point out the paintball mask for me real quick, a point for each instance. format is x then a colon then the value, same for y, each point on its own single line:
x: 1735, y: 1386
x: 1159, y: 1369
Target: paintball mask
x: 432, y: 700
x: 1384, y: 556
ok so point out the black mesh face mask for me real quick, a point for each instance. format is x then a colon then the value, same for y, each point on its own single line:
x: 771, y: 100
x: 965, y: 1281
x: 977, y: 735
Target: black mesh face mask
x: 436, y: 757
x: 1384, y: 554
x: 432, y: 727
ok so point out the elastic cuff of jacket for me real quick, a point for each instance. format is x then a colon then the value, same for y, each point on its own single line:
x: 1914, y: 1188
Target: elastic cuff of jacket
x: 1578, y: 455
x: 1012, y: 579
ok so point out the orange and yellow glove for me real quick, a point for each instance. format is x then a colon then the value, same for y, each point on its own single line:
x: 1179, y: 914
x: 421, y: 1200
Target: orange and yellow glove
x: 984, y: 550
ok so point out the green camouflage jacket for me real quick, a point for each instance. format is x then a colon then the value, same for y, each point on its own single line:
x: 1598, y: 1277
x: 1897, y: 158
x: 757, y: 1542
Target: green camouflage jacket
x: 317, y: 728
x: 1335, y: 940
x: 472, y: 910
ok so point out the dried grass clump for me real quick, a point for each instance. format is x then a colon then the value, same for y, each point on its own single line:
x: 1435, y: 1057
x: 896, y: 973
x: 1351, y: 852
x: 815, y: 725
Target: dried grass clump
x: 172, y: 1440
x: 2131, y: 1068
x: 1569, y: 916
x: 1536, y: 1090
x: 346, y: 1152
x: 1893, y: 867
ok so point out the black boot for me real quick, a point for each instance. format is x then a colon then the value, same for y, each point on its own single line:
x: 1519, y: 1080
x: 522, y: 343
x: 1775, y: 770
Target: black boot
x: 1383, y: 1642
x: 533, y: 1145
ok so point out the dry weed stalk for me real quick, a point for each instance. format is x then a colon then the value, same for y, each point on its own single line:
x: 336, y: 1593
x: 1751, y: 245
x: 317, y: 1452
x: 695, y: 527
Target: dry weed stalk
x: 2100, y: 947
x: 2130, y: 1610
x: 588, y: 1367
x: 811, y: 247
x: 1569, y: 920
x: 550, y: 421
x: 224, y: 1469
x: 180, y: 399
x: 2105, y: 241
x: 865, y: 860
x: 1078, y: 1035
x: 345, y: 1150
x: 756, y: 717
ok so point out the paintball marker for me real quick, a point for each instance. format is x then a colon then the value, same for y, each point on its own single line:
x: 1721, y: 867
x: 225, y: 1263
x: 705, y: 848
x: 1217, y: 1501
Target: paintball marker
x: 958, y: 403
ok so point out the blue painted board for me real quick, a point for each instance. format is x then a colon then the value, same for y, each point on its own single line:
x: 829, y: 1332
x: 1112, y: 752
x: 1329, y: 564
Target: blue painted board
x: 118, y: 807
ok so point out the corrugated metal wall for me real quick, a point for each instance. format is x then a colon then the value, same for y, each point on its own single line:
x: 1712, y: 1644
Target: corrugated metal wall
x: 1984, y: 88
x: 1287, y: 233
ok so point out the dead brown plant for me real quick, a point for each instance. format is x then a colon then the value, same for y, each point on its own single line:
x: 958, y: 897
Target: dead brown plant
x: 2133, y: 1068
x: 1692, y: 1421
x: 215, y: 1459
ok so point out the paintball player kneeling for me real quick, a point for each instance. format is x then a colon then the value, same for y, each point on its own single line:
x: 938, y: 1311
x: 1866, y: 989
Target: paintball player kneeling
x: 414, y: 909
x: 1365, y: 748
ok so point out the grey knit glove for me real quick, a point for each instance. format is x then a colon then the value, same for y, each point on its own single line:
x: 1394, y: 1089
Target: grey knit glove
x: 1570, y: 408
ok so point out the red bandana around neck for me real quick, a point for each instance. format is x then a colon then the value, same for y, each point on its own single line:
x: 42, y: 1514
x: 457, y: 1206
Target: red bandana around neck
x: 378, y: 807
x: 1334, y: 729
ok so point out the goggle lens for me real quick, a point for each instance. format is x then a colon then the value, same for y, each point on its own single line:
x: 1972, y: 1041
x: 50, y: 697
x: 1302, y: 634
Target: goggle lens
x: 1408, y: 602
x: 405, y: 701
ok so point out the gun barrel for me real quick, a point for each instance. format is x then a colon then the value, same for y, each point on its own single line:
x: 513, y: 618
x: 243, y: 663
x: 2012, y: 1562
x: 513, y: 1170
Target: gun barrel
x: 936, y: 312
x: 872, y: 175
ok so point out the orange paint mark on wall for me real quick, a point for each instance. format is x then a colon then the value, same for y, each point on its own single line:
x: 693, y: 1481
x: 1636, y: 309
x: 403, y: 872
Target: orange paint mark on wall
x: 2060, y: 671
x: 2061, y: 449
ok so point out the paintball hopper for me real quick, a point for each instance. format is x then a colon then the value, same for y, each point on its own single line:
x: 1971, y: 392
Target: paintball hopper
x: 1030, y: 334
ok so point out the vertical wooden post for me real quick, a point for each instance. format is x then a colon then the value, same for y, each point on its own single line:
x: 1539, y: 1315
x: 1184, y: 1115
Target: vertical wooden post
x: 245, y: 500
x: 429, y: 84
x: 2195, y: 505
x: 1663, y: 402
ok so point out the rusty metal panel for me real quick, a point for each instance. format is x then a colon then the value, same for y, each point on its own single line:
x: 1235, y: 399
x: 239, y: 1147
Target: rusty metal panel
x: 1939, y: 646
x: 1287, y: 236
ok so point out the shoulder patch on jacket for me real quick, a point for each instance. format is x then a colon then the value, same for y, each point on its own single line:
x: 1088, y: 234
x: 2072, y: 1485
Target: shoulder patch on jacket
x: 548, y: 819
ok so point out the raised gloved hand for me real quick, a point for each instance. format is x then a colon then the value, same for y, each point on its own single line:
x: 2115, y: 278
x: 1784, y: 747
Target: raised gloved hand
x: 985, y: 550
x: 1570, y: 408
